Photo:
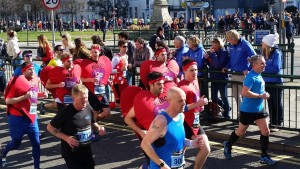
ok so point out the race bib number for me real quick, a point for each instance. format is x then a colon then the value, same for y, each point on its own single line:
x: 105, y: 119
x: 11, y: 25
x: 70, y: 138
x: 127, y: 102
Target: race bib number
x: 99, y: 89
x: 33, y: 109
x: 196, y: 119
x: 68, y: 99
x: 84, y: 136
x: 177, y: 160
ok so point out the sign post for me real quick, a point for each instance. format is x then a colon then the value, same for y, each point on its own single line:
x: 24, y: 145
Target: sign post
x: 51, y: 5
x: 27, y: 8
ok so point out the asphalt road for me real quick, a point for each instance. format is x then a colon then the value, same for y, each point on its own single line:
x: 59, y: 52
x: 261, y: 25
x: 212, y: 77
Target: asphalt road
x: 119, y: 149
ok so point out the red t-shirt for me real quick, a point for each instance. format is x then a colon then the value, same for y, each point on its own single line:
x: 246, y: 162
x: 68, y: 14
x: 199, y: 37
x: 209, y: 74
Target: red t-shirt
x: 147, y: 106
x: 19, y: 88
x: 71, y: 78
x: 191, y: 90
x: 90, y: 69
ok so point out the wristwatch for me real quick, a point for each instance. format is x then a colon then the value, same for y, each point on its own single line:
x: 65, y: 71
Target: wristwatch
x: 162, y: 164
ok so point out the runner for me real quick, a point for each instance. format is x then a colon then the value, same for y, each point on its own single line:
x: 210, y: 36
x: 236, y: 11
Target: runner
x: 192, y: 127
x: 94, y: 75
x: 21, y: 99
x: 62, y: 79
x: 252, y: 109
x: 165, y: 141
x: 74, y: 124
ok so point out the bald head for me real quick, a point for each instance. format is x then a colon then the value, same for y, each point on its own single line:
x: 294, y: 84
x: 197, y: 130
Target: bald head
x: 175, y: 92
x: 176, y: 98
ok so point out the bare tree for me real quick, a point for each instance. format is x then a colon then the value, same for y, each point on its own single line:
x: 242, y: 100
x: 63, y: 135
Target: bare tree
x: 106, y: 7
x: 69, y: 7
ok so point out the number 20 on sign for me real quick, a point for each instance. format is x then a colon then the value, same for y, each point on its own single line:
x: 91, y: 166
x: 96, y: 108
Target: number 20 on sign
x: 51, y: 4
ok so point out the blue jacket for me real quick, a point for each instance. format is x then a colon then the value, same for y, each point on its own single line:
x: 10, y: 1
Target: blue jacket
x: 18, y: 71
x: 217, y: 61
x: 198, y: 56
x: 179, y: 56
x: 238, y: 55
x: 273, y: 66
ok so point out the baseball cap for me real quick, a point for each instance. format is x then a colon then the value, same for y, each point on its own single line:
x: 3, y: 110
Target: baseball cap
x: 27, y: 53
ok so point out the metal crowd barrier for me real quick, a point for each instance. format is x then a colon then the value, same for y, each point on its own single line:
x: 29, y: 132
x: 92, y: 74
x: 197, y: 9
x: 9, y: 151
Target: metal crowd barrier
x: 290, y: 100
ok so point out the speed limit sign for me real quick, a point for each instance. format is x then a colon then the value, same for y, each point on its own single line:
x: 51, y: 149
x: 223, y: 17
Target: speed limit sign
x: 51, y: 4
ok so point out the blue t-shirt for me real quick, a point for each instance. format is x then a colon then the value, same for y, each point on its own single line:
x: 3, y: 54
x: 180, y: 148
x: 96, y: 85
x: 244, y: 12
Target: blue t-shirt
x: 256, y: 84
x: 172, y: 151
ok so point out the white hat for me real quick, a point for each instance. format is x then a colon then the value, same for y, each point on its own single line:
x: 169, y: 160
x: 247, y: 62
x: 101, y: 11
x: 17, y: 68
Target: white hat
x: 271, y: 39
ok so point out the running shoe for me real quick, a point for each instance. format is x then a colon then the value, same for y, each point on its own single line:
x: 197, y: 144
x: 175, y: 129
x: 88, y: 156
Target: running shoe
x: 227, y: 150
x: 42, y: 108
x: 265, y: 159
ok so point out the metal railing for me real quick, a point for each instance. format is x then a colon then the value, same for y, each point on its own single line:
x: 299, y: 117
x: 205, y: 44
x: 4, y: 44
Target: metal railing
x: 291, y: 93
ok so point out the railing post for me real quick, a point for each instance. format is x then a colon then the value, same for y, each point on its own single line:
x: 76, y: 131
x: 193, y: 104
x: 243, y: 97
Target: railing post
x: 291, y: 48
x: 114, y: 38
x: 204, y: 82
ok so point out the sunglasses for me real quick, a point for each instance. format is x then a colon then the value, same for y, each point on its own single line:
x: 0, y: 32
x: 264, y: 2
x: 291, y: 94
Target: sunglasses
x: 28, y: 55
x: 124, y: 46
x: 61, y: 49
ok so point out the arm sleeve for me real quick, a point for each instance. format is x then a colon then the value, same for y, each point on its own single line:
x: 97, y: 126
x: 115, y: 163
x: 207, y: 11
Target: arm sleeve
x: 114, y: 62
x: 58, y: 120
x: 275, y: 65
x: 248, y: 82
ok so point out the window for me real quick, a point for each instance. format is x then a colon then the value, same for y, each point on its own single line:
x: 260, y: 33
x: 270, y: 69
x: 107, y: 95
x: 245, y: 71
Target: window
x: 135, y: 12
x: 147, y: 4
x: 130, y: 12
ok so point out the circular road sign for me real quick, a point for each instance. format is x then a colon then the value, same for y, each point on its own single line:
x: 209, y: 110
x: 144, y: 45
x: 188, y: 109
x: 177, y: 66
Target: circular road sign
x: 51, y: 4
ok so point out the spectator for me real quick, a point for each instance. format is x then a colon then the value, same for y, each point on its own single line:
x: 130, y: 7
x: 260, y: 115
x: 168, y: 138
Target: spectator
x: 58, y: 51
x: 166, y: 27
x: 97, y: 25
x: 273, y: 58
x: 13, y: 49
x: 289, y: 29
x: 239, y: 50
x: 180, y: 25
x: 45, y: 52
x: 196, y: 52
x: 248, y: 29
x: 180, y: 52
x: 156, y: 37
x: 130, y: 52
x: 142, y: 52
x: 103, y: 27
x: 119, y: 66
x: 81, y: 51
x: 3, y: 48
x: 221, y: 25
x: 217, y: 59
x: 67, y: 43
x: 27, y: 57
x: 190, y: 25
x: 106, y: 50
